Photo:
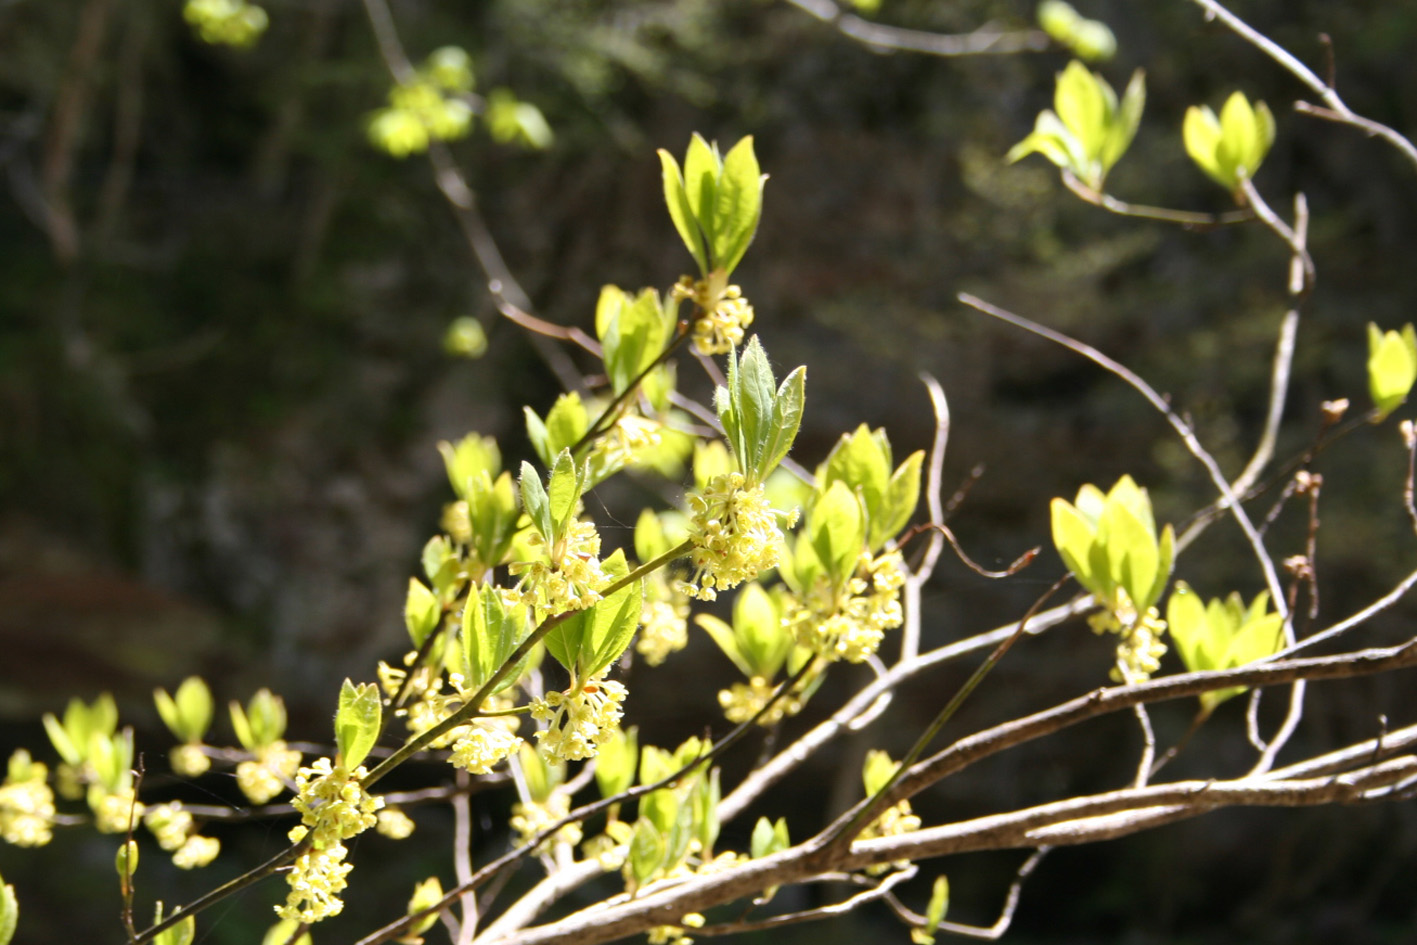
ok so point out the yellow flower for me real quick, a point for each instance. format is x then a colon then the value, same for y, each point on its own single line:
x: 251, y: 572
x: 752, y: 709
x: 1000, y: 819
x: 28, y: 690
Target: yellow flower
x: 394, y: 824
x: 579, y: 721
x: 316, y: 880
x: 722, y: 314
x: 196, y: 852
x: 27, y: 808
x: 735, y: 534
x: 482, y: 748
x: 569, y: 575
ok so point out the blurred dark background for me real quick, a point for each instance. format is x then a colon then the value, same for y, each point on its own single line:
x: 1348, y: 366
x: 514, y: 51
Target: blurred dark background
x: 222, y: 384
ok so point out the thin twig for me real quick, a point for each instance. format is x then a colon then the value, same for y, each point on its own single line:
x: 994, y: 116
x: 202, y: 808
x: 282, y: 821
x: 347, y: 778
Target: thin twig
x: 1222, y: 485
x: 881, y: 37
x: 1006, y: 912
x: 878, y: 891
x: 1148, y: 753
x: 1339, y: 111
x: 1188, y: 219
x: 910, y: 632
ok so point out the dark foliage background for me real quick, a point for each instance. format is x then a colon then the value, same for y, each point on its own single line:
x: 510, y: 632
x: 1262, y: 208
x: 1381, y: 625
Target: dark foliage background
x: 221, y: 381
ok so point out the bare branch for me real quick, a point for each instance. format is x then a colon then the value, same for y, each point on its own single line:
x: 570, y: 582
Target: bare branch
x: 1182, y: 428
x: 1338, y: 111
x: 884, y: 38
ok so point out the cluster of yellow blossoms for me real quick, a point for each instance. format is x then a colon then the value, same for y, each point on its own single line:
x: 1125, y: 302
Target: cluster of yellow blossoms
x: 265, y: 776
x: 333, y: 807
x: 532, y: 817
x: 482, y: 746
x: 174, y: 829
x: 851, y: 627
x: 723, y: 314
x: 664, y: 620
x: 579, y: 721
x: 568, y: 578
x: 26, y: 804
x: 742, y: 701
x: 735, y: 534
x: 1140, y: 649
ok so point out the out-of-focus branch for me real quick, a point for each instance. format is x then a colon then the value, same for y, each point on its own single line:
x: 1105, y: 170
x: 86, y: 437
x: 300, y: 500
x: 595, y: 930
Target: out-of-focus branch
x: 508, y: 295
x: 981, y: 42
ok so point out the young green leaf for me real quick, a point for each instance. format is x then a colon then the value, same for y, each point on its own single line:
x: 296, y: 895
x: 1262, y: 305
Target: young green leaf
x: 616, y: 762
x: 491, y: 631
x: 738, y: 205
x: 9, y: 912
x: 357, y: 722
x: 677, y: 199
x: 536, y: 503
x: 421, y: 612
x: 1392, y: 367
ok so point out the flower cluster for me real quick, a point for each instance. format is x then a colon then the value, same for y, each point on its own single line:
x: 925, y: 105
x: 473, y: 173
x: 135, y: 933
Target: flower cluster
x: 227, y: 22
x: 531, y: 818
x: 333, y: 807
x: 723, y: 314
x: 1140, y: 649
x: 174, y: 829
x: 26, y: 804
x: 742, y: 701
x: 852, y: 626
x: 394, y: 823
x: 580, y: 720
x: 316, y: 881
x: 114, y: 811
x: 894, y: 820
x: 482, y: 747
x: 664, y: 620
x: 263, y: 777
x: 629, y: 437
x: 735, y: 534
x: 674, y: 934
x: 190, y: 760
x: 569, y: 576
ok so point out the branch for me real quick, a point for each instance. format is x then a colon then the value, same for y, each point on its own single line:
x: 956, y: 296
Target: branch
x: 1183, y: 429
x: 884, y: 38
x: 1188, y: 219
x: 1337, y: 110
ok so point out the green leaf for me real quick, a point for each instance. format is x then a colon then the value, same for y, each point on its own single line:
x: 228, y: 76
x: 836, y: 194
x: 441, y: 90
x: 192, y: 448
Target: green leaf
x: 425, y: 895
x: 281, y: 932
x: 613, y: 621
x: 1073, y: 536
x: 357, y: 722
x: 1123, y: 128
x: 467, y: 458
x: 752, y: 383
x: 677, y: 199
x: 491, y: 631
x: 9, y: 913
x: 837, y: 530
x: 563, y: 493
x: 646, y: 852
x: 877, y: 770
x: 705, y: 799
x: 904, y: 496
x: 939, y: 903
x: 786, y: 419
x: 738, y: 205
x: 1082, y: 105
x: 180, y: 934
x: 536, y: 503
x: 1392, y: 367
x: 768, y: 837
x: 722, y: 634
x: 421, y: 612
x: 616, y: 761
x: 702, y: 169
x: 757, y: 627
